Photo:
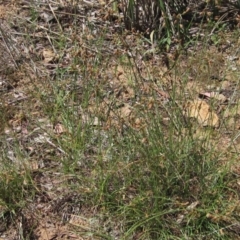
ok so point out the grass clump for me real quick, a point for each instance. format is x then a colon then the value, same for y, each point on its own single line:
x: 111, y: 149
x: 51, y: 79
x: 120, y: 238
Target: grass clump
x: 14, y: 190
x: 174, y: 22
x: 111, y: 142
x: 163, y: 183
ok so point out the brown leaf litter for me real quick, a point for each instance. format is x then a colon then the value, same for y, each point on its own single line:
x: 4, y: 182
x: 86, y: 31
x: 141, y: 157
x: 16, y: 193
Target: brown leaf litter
x: 200, y: 110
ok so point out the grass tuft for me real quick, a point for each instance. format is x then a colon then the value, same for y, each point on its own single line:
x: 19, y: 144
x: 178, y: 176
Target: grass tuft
x: 101, y: 139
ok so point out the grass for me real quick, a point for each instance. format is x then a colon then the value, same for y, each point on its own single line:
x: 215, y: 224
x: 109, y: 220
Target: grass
x: 100, y: 143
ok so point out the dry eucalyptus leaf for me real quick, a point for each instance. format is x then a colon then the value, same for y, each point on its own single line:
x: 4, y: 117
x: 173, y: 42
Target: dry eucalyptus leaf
x: 225, y: 85
x: 213, y: 95
x: 193, y: 205
x: 201, y: 111
x: 48, y: 55
x: 46, y: 17
x: 125, y: 111
x: 59, y: 129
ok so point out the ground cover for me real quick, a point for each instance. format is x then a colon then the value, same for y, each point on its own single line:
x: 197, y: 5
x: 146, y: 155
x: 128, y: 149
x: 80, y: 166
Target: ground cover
x: 104, y: 135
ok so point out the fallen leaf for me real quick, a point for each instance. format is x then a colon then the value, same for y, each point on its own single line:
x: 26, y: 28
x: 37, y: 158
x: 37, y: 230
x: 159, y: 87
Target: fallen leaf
x: 79, y: 221
x: 48, y: 55
x: 46, y: 17
x: 162, y: 93
x: 225, y: 85
x: 45, y: 233
x: 59, y: 129
x: 200, y: 110
x: 180, y: 218
x: 192, y: 205
x: 213, y: 95
x: 125, y: 111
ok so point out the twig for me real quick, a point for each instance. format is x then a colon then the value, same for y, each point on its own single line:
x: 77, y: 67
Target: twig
x: 18, y: 100
x: 7, y: 47
x: 58, y: 148
x: 55, y: 17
